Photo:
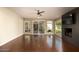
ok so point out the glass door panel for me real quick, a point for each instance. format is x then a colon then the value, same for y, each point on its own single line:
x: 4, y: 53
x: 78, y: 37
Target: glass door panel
x: 27, y: 26
x: 35, y: 27
x: 41, y: 27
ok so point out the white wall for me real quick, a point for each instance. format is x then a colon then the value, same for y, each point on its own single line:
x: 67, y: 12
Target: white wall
x: 11, y: 25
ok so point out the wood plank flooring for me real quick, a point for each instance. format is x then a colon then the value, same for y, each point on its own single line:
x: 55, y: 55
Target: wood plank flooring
x: 38, y: 43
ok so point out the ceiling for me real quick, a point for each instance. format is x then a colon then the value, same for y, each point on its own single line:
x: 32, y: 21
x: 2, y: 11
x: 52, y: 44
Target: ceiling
x: 50, y: 12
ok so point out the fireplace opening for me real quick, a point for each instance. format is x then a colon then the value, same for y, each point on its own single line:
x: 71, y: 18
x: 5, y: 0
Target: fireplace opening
x: 68, y: 32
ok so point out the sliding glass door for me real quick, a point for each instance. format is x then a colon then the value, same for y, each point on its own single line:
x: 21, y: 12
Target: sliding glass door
x: 38, y: 27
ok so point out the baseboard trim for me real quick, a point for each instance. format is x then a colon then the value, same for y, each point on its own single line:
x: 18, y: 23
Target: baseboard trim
x: 13, y: 38
x: 15, y: 45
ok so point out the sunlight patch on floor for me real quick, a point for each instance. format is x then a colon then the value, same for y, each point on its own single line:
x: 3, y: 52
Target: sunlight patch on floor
x: 49, y: 41
x: 58, y: 44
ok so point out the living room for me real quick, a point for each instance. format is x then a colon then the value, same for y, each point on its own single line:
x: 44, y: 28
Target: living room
x: 38, y: 29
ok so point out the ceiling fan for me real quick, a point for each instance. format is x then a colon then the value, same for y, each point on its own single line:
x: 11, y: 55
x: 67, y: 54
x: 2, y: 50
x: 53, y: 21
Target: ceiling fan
x: 39, y: 13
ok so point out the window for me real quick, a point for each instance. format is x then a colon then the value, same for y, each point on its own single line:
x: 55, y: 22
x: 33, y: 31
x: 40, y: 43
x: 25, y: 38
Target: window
x: 58, y: 25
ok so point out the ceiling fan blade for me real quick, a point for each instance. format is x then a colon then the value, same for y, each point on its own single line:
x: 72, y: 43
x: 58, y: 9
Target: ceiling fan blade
x: 42, y: 11
x: 40, y: 14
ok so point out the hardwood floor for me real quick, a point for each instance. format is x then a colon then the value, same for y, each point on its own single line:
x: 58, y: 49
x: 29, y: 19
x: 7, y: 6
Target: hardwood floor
x: 38, y: 43
x: 67, y: 47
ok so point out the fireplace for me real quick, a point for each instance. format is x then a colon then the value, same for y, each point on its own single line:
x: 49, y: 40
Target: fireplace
x: 68, y: 32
